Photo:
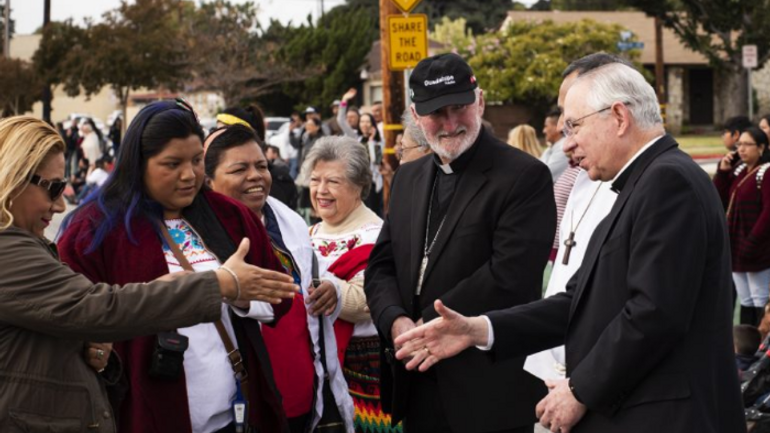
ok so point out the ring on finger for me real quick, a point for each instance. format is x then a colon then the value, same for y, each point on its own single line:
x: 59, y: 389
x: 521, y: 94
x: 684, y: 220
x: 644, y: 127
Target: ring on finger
x: 426, y: 350
x: 99, y: 354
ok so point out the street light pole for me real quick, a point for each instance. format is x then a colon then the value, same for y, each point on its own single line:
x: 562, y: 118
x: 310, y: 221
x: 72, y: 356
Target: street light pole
x: 7, y: 30
x: 47, y: 88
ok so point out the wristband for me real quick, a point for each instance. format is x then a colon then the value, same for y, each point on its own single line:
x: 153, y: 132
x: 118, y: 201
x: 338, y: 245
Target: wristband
x: 237, y: 283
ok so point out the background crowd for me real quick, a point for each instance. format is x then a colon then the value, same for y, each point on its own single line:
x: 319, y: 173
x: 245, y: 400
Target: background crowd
x: 310, y: 341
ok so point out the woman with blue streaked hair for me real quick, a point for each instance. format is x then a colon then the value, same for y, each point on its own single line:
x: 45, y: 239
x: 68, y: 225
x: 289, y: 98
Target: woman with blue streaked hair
x: 154, y: 216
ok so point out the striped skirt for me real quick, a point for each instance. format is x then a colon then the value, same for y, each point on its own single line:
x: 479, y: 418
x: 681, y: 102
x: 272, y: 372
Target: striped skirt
x: 362, y: 372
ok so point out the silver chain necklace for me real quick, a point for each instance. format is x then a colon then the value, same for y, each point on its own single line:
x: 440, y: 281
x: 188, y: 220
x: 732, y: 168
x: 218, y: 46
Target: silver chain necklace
x: 426, y: 247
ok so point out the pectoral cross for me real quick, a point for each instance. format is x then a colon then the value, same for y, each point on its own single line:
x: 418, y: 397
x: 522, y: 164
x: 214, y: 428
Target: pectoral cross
x: 569, y: 243
x: 423, y: 267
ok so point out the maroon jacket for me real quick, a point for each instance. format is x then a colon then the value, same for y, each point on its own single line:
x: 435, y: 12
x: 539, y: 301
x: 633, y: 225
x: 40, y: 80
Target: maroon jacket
x: 160, y: 406
x: 749, y: 220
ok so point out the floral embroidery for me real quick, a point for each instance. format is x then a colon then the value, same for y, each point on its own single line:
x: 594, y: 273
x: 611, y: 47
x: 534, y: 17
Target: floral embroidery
x: 188, y: 241
x: 336, y: 246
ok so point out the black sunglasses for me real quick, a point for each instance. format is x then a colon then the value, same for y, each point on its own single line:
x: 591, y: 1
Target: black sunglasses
x: 55, y: 187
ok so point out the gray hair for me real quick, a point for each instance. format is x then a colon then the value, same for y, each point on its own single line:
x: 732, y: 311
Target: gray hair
x: 617, y: 82
x: 413, y: 131
x: 344, y: 149
x: 592, y: 61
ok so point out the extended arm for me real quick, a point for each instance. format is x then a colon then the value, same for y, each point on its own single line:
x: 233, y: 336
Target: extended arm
x: 521, y: 243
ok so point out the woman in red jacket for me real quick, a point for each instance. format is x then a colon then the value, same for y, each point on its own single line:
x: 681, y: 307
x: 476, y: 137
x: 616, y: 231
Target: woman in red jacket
x: 745, y: 192
x: 152, y: 217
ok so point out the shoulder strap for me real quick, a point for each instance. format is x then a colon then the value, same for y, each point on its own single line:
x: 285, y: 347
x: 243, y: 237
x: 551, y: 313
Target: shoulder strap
x: 233, y: 354
x: 321, y: 338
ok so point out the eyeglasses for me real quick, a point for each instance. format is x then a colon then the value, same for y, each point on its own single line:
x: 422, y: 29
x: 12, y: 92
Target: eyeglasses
x: 402, y: 149
x: 570, y: 125
x: 55, y: 187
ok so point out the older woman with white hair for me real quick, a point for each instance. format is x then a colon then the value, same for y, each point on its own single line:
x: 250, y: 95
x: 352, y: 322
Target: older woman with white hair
x: 50, y: 378
x: 339, y: 171
x: 411, y: 144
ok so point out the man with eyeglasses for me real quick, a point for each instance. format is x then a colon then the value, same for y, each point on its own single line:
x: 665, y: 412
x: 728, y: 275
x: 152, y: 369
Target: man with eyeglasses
x: 411, y: 144
x: 588, y: 202
x: 647, y: 319
x: 471, y: 225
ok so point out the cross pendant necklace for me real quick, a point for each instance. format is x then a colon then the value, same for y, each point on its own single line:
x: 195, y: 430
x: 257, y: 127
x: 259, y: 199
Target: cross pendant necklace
x: 570, y: 241
x: 426, y: 247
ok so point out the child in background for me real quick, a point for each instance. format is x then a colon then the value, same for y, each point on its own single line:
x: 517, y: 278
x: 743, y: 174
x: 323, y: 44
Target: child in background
x: 746, y: 341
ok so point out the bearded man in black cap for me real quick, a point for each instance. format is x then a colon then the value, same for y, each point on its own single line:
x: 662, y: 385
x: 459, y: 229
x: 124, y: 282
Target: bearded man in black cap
x: 471, y: 225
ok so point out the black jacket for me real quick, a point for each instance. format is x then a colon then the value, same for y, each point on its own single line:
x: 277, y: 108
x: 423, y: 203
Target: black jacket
x: 647, y: 319
x: 490, y: 254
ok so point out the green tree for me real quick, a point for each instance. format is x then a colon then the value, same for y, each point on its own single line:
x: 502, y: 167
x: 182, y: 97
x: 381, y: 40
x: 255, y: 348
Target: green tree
x: 138, y: 45
x: 20, y: 87
x: 718, y: 29
x: 335, y: 49
x: 524, y: 62
x: 453, y: 34
x: 230, y: 56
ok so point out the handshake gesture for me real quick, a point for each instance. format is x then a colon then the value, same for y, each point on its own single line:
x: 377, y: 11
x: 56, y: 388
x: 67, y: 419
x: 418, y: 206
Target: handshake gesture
x: 250, y: 283
x: 240, y: 282
x: 441, y: 338
x: 444, y: 337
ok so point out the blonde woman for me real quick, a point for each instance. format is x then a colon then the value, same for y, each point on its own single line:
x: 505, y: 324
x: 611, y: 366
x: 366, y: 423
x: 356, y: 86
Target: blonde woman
x: 50, y: 376
x: 524, y: 137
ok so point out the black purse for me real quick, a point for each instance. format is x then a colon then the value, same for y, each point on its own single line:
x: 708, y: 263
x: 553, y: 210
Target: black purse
x: 331, y: 420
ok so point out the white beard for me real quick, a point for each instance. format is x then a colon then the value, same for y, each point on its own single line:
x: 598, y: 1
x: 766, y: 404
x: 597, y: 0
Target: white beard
x: 457, y: 147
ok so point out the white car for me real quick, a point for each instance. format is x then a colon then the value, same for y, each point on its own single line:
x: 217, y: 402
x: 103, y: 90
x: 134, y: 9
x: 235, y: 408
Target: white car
x: 273, y: 124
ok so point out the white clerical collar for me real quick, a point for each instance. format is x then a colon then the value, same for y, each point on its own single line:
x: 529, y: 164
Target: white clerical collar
x: 446, y: 168
x: 637, y: 155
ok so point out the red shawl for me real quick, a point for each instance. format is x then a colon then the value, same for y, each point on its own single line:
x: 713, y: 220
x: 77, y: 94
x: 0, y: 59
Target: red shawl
x: 160, y: 406
x: 345, y: 268
x: 288, y: 345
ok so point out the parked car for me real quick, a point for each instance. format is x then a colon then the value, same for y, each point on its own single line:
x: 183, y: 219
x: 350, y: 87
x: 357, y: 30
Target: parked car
x: 273, y: 124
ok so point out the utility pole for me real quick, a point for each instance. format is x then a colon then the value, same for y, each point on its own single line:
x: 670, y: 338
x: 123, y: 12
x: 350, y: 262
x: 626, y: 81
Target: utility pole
x: 322, y: 9
x: 392, y: 85
x: 660, y: 79
x: 7, y: 30
x: 47, y: 88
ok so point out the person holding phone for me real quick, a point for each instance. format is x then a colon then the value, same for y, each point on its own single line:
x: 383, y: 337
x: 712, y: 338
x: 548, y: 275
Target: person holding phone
x: 745, y: 192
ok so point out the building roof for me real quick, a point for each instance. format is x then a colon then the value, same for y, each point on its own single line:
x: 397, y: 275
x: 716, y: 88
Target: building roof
x: 643, y: 27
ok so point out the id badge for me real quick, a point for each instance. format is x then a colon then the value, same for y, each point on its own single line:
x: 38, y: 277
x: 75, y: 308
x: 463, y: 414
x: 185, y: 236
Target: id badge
x: 239, y: 409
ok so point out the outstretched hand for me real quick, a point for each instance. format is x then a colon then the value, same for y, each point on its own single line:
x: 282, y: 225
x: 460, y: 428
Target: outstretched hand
x: 441, y: 338
x: 258, y: 284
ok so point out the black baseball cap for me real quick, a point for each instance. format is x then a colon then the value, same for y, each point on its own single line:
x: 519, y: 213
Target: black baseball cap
x: 438, y: 81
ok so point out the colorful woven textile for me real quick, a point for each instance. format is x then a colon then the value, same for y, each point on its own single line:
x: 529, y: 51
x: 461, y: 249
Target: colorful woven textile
x: 362, y: 372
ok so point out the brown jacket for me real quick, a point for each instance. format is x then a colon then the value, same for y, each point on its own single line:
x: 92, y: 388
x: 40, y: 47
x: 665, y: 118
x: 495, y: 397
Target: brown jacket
x: 48, y: 312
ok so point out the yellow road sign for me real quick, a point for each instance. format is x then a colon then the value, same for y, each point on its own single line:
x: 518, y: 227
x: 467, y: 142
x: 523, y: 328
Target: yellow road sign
x: 408, y: 40
x: 406, y: 5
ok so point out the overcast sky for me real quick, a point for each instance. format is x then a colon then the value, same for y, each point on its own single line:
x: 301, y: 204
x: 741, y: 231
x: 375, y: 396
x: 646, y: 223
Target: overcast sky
x: 28, y: 14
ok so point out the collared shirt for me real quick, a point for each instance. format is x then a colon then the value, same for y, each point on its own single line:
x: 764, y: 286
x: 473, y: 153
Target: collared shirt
x: 617, y: 185
x: 447, y: 178
x: 622, y: 177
